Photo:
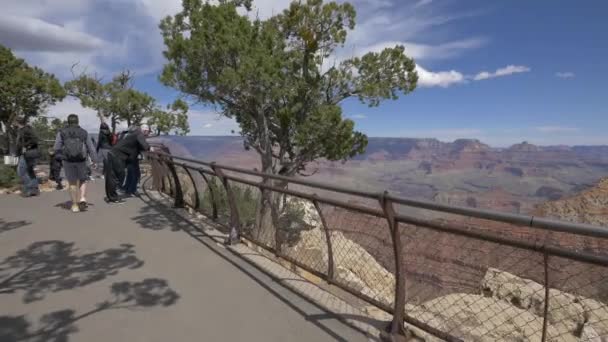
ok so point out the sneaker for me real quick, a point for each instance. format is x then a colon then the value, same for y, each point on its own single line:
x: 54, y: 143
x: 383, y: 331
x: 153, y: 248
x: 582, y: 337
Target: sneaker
x: 83, y: 205
x: 118, y: 201
x: 75, y: 208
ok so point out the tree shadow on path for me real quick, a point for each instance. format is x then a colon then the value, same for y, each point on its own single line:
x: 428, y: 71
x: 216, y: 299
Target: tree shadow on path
x: 8, y: 226
x: 58, y: 325
x: 157, y: 215
x: 52, y: 266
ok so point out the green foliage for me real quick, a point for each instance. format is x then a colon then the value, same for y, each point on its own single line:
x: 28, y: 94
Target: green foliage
x: 175, y: 119
x: 245, y: 198
x: 117, y: 101
x: 8, y: 176
x: 25, y: 91
x: 272, y: 76
x: 112, y: 100
x: 291, y: 221
x: 46, y: 130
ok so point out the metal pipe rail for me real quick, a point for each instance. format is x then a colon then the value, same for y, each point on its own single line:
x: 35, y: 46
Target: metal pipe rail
x: 164, y: 165
x: 523, y: 220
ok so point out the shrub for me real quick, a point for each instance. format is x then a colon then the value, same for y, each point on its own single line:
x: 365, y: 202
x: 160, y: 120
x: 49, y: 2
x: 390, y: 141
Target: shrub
x: 8, y: 176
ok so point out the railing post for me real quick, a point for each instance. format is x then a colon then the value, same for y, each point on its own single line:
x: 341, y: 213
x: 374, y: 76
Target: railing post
x: 235, y: 221
x: 547, y: 295
x: 164, y: 177
x: 197, y: 201
x: 212, y: 194
x: 396, y: 329
x: 330, y: 251
x: 157, y: 172
x: 274, y: 215
x: 179, y: 195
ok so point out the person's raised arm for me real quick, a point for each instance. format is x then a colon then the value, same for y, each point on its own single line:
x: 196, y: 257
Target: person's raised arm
x: 98, y: 142
x: 91, y: 149
x: 141, y: 141
x: 58, y: 142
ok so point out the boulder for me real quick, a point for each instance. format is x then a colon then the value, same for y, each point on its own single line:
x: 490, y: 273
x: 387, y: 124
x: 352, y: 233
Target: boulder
x: 479, y: 318
x: 567, y: 312
x: 596, y: 314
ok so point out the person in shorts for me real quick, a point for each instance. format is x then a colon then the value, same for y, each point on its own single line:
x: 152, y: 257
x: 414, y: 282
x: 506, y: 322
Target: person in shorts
x: 75, y: 144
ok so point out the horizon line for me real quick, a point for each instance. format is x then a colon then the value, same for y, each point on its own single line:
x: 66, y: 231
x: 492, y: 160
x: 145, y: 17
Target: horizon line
x: 412, y: 138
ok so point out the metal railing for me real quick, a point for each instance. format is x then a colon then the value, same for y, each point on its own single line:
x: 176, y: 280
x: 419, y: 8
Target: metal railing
x: 454, y: 273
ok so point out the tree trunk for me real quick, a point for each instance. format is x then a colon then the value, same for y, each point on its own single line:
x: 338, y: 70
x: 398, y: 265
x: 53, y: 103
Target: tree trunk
x: 265, y: 224
x: 11, y: 140
x: 264, y: 231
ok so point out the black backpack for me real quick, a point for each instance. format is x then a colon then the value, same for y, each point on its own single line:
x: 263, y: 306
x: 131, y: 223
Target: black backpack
x: 74, y: 149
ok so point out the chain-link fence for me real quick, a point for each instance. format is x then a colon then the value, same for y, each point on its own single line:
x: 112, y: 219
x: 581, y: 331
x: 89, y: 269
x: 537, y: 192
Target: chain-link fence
x: 454, y: 273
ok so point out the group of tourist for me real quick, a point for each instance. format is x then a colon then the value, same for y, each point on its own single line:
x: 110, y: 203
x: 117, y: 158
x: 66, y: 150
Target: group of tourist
x: 73, y: 148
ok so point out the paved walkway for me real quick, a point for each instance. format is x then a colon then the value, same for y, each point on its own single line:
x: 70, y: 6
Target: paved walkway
x: 128, y: 273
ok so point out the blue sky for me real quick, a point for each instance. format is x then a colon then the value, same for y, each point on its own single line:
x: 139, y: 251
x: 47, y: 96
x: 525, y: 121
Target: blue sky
x: 500, y: 71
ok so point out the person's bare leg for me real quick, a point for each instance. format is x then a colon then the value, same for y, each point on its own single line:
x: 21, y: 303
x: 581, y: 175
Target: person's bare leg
x: 74, y: 189
x: 83, y: 192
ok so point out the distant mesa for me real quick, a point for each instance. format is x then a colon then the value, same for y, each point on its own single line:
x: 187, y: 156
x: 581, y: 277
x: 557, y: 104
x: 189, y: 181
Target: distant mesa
x: 469, y: 145
x: 524, y: 147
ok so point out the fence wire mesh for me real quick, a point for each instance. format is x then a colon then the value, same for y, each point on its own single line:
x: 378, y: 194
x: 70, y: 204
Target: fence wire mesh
x: 363, y: 253
x: 464, y: 286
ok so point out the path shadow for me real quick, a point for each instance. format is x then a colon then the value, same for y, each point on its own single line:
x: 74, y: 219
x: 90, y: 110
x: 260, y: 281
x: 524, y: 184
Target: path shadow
x: 51, y: 266
x: 155, y: 217
x: 8, y: 226
x: 274, y: 285
x: 58, y: 325
x: 68, y: 206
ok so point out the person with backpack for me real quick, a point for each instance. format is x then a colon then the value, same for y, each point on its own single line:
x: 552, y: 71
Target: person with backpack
x: 75, y: 144
x: 127, y: 149
x: 28, y: 153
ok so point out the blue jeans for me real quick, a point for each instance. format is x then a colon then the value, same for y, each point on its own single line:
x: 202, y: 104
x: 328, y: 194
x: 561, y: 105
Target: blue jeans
x: 133, y: 176
x: 25, y: 171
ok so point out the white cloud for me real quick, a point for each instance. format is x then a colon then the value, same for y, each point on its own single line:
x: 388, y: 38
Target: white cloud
x: 209, y: 122
x: 32, y: 34
x: 87, y: 116
x: 565, y: 74
x: 422, y: 3
x: 423, y: 51
x: 508, y: 70
x: 442, y: 79
x: 557, y: 129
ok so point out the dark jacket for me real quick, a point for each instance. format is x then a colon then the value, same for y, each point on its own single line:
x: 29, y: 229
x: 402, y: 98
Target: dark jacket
x: 131, y: 145
x: 88, y: 143
x: 104, y: 140
x: 55, y: 166
x: 26, y: 139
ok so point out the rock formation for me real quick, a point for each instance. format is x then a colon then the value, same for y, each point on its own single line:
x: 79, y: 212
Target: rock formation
x: 505, y: 308
x: 590, y: 206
